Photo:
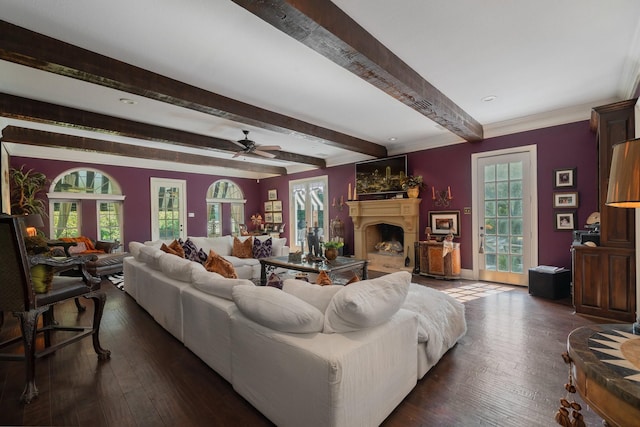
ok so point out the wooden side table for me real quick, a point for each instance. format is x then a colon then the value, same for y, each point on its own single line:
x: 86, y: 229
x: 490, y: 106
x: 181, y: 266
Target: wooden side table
x: 606, y: 367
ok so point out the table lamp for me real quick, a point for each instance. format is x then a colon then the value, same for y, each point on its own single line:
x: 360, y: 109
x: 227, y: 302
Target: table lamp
x: 624, y: 190
x: 31, y: 222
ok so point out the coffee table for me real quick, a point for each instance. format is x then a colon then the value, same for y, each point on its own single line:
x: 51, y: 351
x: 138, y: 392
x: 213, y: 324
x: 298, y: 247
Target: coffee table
x: 333, y: 268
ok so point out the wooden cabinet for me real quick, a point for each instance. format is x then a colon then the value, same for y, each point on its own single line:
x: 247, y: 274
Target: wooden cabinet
x: 604, y: 281
x: 433, y: 263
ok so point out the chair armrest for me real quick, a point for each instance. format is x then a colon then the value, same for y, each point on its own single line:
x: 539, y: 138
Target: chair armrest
x: 107, y: 247
x: 61, y: 264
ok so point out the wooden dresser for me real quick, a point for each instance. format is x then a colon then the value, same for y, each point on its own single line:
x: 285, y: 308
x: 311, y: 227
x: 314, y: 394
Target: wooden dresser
x: 433, y: 264
x: 604, y: 277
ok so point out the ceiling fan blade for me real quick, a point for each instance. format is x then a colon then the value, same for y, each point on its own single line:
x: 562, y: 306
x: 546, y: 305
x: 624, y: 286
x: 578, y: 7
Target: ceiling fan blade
x: 238, y: 153
x: 269, y: 147
x: 264, y: 154
x: 238, y: 143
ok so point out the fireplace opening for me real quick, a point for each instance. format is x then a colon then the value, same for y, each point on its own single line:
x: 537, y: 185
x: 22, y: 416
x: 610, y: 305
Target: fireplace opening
x: 385, y: 239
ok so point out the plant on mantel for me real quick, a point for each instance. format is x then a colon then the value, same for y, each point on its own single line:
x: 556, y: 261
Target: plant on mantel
x: 412, y: 181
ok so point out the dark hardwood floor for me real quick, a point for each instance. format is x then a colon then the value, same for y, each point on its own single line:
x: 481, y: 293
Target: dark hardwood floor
x: 507, y: 371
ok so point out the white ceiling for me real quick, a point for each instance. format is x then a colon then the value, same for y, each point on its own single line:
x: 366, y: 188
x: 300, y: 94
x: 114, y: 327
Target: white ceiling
x: 547, y: 62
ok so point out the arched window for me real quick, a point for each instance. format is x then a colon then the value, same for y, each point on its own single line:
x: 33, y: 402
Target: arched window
x: 224, y: 193
x: 77, y: 187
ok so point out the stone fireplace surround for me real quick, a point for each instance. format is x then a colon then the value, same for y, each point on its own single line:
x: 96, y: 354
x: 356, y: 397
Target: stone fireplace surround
x: 366, y: 214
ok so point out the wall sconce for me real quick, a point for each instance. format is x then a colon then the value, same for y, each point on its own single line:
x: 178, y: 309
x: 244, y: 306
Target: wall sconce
x: 441, y: 198
x: 340, y: 204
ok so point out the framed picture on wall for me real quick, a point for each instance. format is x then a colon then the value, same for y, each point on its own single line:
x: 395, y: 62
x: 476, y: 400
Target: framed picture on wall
x: 277, y: 217
x: 444, y: 222
x: 564, y: 178
x: 268, y: 217
x: 565, y: 220
x: 268, y: 206
x: 565, y: 199
x: 272, y: 194
x: 277, y: 205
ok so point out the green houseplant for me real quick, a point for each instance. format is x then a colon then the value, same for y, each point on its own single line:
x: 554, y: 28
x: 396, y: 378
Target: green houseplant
x: 25, y: 188
x: 331, y: 249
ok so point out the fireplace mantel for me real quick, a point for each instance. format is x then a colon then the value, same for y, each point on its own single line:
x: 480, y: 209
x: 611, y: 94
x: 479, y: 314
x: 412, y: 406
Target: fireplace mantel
x: 404, y: 213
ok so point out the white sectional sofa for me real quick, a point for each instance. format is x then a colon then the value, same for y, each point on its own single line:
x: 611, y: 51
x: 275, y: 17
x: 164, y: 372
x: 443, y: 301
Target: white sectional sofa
x: 246, y: 268
x: 304, y: 355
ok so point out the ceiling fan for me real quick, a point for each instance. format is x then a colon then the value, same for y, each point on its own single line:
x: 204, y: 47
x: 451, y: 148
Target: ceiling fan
x: 248, y: 147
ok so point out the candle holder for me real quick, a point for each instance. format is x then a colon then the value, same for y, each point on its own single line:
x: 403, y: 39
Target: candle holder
x: 441, y: 198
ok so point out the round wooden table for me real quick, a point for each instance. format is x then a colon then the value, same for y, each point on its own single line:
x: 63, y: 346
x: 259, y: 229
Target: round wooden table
x: 606, y: 368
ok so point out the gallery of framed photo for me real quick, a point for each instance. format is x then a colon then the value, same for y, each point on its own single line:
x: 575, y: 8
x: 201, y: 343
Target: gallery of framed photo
x: 277, y: 205
x: 565, y: 199
x: 272, y: 195
x: 277, y: 217
x: 564, y: 178
x: 565, y: 220
x: 444, y: 222
x: 268, y: 206
x: 268, y: 217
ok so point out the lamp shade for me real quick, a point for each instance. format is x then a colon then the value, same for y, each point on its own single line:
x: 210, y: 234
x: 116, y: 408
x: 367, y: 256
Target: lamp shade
x: 624, y: 176
x: 33, y: 220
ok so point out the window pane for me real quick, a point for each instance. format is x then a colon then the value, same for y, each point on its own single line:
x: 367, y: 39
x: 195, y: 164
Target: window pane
x: 109, y: 221
x: 490, y: 190
x: 214, y: 220
x: 489, y: 173
x: 66, y: 222
x: 502, y: 189
x: 490, y: 226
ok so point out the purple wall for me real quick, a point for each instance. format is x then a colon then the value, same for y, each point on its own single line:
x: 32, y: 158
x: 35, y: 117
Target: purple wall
x: 565, y: 146
x: 135, y: 184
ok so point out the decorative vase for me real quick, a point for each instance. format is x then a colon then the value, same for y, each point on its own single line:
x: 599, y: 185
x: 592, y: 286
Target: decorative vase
x: 413, y: 192
x: 331, y: 253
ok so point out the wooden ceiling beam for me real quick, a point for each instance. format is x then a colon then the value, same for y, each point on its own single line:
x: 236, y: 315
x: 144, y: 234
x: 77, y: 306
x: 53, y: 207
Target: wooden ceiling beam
x: 325, y: 28
x: 40, y: 138
x: 31, y: 49
x: 27, y: 109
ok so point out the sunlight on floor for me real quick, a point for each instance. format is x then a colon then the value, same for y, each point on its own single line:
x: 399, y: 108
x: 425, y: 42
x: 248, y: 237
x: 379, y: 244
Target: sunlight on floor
x: 476, y: 290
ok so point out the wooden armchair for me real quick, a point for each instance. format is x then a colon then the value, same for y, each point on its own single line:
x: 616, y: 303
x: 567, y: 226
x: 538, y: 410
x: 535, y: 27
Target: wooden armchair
x: 17, y: 295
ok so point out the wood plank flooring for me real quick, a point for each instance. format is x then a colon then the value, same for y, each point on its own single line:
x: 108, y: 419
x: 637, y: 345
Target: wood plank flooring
x: 507, y: 371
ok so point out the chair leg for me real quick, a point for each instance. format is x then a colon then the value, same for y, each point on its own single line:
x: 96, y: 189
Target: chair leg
x: 29, y: 326
x: 99, y: 299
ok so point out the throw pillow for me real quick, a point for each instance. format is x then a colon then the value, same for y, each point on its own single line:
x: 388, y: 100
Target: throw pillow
x: 174, y: 248
x: 367, y: 303
x: 219, y: 265
x: 354, y: 279
x: 317, y: 296
x: 78, y: 248
x: 202, y: 256
x: 242, y: 249
x: 277, y: 310
x: 41, y: 278
x: 214, y: 284
x: 323, y: 279
x: 274, y: 281
x: 262, y: 249
x: 190, y: 250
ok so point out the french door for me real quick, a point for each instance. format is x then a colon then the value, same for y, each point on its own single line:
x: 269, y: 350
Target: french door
x: 505, y: 224
x: 168, y: 209
x: 308, y: 210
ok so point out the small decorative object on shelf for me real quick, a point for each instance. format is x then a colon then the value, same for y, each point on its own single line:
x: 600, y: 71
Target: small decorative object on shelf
x: 412, y: 184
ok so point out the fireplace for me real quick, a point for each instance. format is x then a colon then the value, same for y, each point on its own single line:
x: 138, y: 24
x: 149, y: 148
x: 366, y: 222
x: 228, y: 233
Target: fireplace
x: 396, y: 220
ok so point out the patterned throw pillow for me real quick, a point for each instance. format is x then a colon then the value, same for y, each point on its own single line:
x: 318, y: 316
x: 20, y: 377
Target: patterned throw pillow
x: 262, y: 249
x: 323, y: 279
x: 242, y: 249
x: 275, y: 281
x: 190, y: 250
x: 202, y: 256
x: 219, y: 265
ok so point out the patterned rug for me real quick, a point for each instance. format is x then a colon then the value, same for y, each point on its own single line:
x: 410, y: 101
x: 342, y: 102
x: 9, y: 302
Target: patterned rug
x: 117, y: 280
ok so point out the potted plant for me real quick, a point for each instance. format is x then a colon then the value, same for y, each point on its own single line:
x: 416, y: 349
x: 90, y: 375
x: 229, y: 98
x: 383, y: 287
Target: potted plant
x: 412, y: 184
x: 331, y: 249
x: 25, y: 187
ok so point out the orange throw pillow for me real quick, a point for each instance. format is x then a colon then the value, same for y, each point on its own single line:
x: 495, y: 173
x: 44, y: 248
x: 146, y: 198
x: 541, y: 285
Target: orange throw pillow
x: 174, y: 248
x: 219, y: 265
x: 242, y: 249
x: 354, y: 279
x: 323, y: 279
